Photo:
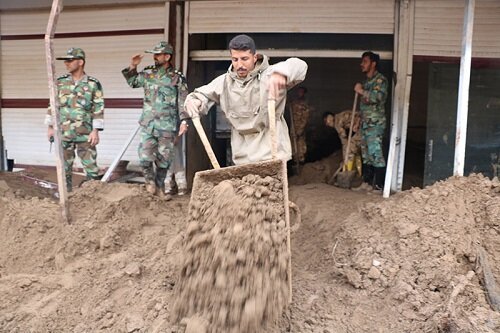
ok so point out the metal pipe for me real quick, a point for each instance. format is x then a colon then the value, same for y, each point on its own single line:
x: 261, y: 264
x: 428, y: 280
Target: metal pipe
x: 463, y: 89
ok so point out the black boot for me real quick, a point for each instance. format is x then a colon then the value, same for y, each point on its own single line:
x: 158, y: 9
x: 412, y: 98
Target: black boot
x: 161, y: 174
x: 149, y: 176
x: 69, y: 182
x: 379, y: 178
x: 368, y: 172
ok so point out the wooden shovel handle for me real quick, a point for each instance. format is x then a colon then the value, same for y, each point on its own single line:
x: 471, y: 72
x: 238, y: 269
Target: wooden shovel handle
x: 206, y: 143
x: 346, y: 157
x: 271, y: 109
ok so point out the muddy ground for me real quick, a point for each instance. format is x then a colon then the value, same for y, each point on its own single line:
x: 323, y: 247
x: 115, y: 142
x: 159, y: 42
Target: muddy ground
x: 360, y: 263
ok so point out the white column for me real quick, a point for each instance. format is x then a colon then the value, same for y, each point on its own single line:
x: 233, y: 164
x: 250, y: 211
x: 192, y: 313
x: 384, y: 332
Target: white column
x: 403, y: 65
x: 463, y: 89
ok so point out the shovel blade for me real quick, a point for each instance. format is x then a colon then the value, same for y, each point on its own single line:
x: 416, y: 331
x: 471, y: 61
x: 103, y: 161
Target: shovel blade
x: 344, y: 179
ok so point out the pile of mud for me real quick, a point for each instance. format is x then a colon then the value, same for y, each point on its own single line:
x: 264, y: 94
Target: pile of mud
x: 419, y: 253
x: 420, y: 261
x: 234, y: 274
x: 318, y: 172
x: 112, y: 270
x: 22, y: 185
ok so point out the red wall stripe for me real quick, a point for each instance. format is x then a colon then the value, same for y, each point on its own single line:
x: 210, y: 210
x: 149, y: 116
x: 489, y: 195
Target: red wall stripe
x: 475, y: 62
x: 36, y: 103
x: 86, y: 34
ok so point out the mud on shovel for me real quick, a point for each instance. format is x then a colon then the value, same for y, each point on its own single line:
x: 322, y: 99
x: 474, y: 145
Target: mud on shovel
x: 343, y: 177
x: 275, y: 168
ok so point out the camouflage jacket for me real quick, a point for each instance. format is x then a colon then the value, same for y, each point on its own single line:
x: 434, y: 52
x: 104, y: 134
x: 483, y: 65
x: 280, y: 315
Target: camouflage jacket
x: 372, y: 104
x: 342, y: 124
x: 300, y: 112
x: 81, y: 107
x: 165, y: 91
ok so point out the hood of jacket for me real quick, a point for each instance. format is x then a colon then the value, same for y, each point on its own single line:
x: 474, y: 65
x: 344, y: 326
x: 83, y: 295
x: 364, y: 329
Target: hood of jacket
x: 260, y: 66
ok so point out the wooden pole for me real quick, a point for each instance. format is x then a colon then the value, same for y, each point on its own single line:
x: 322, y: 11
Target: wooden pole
x: 463, y: 89
x: 54, y: 105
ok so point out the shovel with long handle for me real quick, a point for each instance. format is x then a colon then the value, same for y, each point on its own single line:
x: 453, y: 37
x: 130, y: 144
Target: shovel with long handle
x: 206, y: 143
x: 346, y: 157
x: 271, y: 109
x: 339, y: 173
x: 294, y: 141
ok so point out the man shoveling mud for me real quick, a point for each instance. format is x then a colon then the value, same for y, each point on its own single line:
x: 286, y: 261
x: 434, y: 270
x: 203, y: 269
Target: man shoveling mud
x: 242, y: 93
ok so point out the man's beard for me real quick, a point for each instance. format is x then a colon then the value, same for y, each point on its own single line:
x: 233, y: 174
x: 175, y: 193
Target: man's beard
x: 160, y: 63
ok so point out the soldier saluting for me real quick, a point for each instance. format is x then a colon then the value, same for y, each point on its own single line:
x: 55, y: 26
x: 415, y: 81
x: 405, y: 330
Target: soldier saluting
x: 165, y: 90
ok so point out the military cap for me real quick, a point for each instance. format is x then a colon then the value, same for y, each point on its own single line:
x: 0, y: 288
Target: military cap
x: 161, y: 47
x: 73, y: 53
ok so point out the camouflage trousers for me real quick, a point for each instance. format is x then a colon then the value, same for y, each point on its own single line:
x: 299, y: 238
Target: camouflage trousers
x: 87, y: 155
x: 301, y: 148
x: 156, y: 147
x: 371, y: 145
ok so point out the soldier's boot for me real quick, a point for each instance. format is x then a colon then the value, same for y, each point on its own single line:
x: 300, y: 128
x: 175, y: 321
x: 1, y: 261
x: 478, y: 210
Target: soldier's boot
x: 149, y: 177
x: 367, y: 184
x: 69, y: 182
x: 379, y: 178
x: 161, y: 174
x: 368, y: 173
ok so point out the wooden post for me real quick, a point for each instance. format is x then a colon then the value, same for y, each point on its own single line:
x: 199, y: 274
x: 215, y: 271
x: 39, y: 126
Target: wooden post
x: 185, y: 41
x: 54, y: 105
x: 463, y: 89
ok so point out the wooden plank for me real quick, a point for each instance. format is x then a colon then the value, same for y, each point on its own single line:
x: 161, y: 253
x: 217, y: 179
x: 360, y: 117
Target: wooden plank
x: 54, y: 104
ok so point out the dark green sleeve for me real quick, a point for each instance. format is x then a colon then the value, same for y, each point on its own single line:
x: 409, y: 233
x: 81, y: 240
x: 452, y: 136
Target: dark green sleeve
x: 134, y: 78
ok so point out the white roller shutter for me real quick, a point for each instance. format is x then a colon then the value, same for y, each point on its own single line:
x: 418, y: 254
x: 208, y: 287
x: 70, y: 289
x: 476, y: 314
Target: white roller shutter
x: 149, y: 16
x: 439, y: 24
x: 24, y: 74
x: 316, y: 16
x: 25, y: 136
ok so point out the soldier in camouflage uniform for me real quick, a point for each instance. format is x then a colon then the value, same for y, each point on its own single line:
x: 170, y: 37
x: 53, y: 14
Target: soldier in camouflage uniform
x: 342, y: 122
x: 299, y: 112
x: 373, y: 94
x: 81, y: 108
x: 165, y: 90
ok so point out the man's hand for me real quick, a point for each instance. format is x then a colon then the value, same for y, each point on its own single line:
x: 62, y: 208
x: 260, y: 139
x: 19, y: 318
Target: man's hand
x: 183, y: 128
x: 93, y: 138
x: 357, y: 123
x: 359, y: 88
x: 135, y: 61
x: 277, y: 82
x: 192, y: 107
x: 50, y: 132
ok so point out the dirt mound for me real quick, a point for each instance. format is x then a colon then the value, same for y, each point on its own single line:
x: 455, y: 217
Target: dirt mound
x: 360, y: 263
x: 112, y: 270
x: 235, y: 268
x: 22, y: 185
x: 410, y: 263
x: 318, y: 172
